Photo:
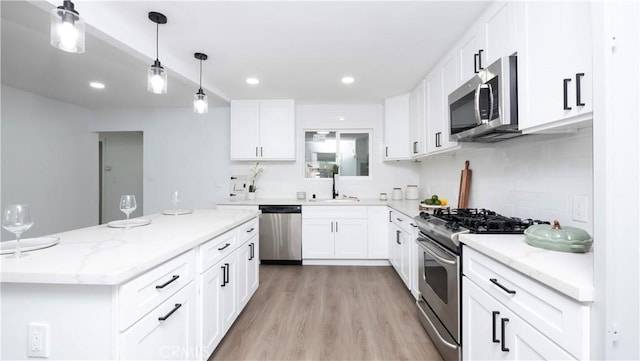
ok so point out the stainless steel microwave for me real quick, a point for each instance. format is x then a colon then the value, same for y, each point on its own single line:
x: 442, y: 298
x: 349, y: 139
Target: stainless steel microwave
x: 485, y: 109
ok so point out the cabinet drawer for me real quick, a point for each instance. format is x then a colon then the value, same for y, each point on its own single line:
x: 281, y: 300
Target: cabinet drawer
x: 247, y: 230
x: 334, y: 212
x: 145, y: 292
x: 401, y: 220
x: 167, y: 332
x: 558, y: 317
x: 216, y: 249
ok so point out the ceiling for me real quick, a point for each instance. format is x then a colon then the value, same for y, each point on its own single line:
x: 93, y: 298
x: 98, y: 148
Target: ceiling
x: 297, y: 49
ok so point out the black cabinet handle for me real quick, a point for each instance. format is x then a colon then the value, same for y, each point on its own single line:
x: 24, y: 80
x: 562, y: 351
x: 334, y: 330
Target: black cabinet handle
x: 261, y: 152
x: 495, y: 282
x: 336, y: 226
x: 475, y: 63
x: 250, y: 230
x: 253, y: 251
x: 493, y: 326
x: 223, y: 247
x: 256, y: 151
x: 415, y: 147
x: 504, y: 326
x: 178, y: 305
x: 578, y: 90
x: 224, y: 276
x: 398, y: 237
x: 389, y: 216
x: 173, y: 278
x: 399, y: 219
x: 438, y: 136
x: 480, y: 59
x: 331, y: 227
x: 386, y: 151
x: 566, y: 94
x: 226, y: 265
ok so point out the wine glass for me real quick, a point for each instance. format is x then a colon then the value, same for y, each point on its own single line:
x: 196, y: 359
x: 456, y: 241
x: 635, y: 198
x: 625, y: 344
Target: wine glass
x: 17, y: 219
x: 175, y: 199
x: 128, y: 204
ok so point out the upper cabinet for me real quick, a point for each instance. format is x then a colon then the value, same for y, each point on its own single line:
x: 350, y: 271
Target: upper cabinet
x: 263, y: 129
x: 396, y: 127
x: 439, y: 83
x: 554, y: 64
x: 491, y: 38
x: 417, y: 121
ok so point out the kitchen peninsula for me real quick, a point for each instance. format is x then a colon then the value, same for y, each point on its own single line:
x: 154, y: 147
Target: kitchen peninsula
x: 109, y: 293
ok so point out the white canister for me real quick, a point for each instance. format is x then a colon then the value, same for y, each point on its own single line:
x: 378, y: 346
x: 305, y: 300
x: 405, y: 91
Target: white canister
x: 412, y: 191
x: 396, y: 194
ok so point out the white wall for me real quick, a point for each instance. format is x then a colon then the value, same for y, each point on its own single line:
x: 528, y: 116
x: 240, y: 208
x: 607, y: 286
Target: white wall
x: 284, y: 179
x: 49, y: 161
x: 527, y: 177
x: 183, y: 151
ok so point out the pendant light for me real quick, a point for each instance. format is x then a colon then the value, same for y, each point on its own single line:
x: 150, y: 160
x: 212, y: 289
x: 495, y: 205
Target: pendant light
x: 156, y: 75
x: 200, y: 100
x: 67, y: 28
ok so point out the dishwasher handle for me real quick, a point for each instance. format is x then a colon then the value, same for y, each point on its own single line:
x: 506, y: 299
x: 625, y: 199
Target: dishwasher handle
x: 270, y: 209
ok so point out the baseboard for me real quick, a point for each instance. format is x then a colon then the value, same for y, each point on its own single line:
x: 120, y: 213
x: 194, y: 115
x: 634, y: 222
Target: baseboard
x: 345, y: 262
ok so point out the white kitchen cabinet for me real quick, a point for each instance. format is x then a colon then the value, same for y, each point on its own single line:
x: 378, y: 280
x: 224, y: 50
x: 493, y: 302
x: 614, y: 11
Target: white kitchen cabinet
x: 439, y: 83
x: 493, y: 332
x: 542, y: 324
x: 262, y: 130
x: 167, y: 332
x: 400, y: 246
x: 210, y: 310
x: 396, y: 127
x: 470, y: 54
x: 554, y: 65
x: 377, y: 246
x: 248, y: 266
x: 338, y: 232
x: 229, y: 305
x: 417, y: 119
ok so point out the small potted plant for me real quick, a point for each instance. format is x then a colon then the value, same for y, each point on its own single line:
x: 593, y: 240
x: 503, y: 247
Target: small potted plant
x: 254, y: 173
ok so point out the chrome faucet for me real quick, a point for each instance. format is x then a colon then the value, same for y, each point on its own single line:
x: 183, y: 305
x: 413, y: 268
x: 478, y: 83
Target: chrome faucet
x: 334, y: 194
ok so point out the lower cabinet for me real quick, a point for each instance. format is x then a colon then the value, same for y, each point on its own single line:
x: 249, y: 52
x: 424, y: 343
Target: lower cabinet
x: 334, y: 232
x: 493, y: 332
x: 507, y: 315
x: 401, y: 247
x: 167, y: 332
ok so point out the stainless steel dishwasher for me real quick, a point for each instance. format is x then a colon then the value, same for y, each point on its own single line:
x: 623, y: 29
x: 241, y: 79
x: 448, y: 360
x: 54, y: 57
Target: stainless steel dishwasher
x: 281, y: 234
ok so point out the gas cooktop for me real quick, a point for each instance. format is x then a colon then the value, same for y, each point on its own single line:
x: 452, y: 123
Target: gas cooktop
x: 445, y: 225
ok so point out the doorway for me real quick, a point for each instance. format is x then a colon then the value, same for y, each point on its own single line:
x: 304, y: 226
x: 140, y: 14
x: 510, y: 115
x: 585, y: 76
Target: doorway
x: 121, y: 165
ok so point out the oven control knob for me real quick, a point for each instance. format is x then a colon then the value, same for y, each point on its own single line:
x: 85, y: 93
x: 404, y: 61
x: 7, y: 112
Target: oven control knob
x: 424, y: 215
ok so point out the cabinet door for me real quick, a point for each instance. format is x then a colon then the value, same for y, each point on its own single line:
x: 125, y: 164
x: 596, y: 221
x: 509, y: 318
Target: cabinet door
x: 417, y: 119
x: 244, y: 255
x: 378, y: 223
x: 317, y: 238
x: 210, y: 310
x: 277, y: 130
x: 434, y: 109
x: 393, y: 244
x: 396, y: 127
x: 253, y: 277
x: 167, y: 332
x: 229, y: 292
x: 471, y: 57
x: 499, y: 30
x: 480, y: 325
x: 405, y: 258
x: 245, y: 129
x: 449, y: 68
x: 527, y: 343
x: 578, y: 58
x: 350, y: 238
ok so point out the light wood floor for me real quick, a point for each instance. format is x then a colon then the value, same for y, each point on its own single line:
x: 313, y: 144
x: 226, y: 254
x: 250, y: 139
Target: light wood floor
x: 328, y: 313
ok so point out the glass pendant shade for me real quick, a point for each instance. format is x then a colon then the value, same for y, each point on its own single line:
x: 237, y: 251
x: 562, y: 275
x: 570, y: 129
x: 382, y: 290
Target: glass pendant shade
x: 157, y: 78
x: 67, y: 29
x: 200, y: 102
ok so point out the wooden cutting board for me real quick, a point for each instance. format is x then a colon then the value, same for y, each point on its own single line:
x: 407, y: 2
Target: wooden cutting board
x: 465, y: 184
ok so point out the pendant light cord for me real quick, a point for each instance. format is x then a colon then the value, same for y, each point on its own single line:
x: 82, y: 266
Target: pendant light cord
x: 157, y: 31
x: 200, y: 74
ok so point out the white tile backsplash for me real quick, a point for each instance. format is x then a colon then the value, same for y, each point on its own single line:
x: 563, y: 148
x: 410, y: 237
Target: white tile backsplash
x: 528, y: 177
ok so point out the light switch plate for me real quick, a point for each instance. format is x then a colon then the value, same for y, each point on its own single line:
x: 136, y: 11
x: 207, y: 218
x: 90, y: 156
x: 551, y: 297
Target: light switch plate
x: 580, y: 208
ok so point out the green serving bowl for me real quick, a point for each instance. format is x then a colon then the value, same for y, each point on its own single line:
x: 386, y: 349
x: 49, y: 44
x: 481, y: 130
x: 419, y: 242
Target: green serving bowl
x: 556, y: 238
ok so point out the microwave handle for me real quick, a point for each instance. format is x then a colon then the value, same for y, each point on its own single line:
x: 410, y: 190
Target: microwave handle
x: 476, y: 105
x: 490, y: 102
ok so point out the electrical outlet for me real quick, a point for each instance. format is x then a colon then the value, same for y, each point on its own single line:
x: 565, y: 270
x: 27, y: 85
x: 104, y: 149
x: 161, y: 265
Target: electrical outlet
x: 38, y: 340
x: 580, y: 204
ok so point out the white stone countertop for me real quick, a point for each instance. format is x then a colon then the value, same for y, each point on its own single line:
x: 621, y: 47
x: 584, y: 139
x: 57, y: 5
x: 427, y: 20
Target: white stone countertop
x: 406, y: 206
x: 101, y: 255
x: 568, y: 273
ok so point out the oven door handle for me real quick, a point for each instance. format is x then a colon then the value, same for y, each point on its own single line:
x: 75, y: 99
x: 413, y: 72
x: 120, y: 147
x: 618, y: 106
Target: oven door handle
x: 476, y: 105
x: 445, y: 342
x: 437, y: 257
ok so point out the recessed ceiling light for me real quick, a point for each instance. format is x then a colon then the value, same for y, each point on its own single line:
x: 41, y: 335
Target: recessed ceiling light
x: 253, y: 81
x: 347, y: 79
x: 96, y: 85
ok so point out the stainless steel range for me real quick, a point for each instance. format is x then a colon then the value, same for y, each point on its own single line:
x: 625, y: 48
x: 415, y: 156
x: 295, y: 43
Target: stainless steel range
x: 439, y: 268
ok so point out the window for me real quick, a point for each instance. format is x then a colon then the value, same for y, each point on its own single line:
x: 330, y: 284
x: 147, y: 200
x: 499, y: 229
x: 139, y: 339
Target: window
x: 341, y: 152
